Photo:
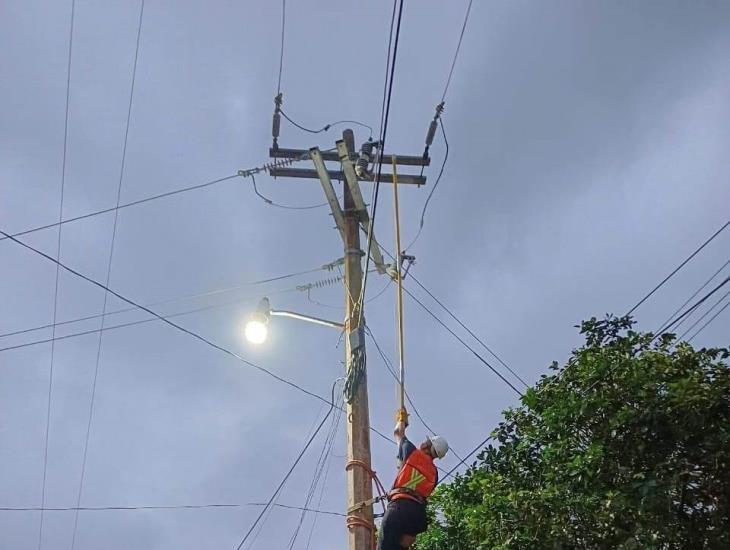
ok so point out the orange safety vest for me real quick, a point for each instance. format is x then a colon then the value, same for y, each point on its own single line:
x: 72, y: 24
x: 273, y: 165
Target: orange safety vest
x: 416, y: 479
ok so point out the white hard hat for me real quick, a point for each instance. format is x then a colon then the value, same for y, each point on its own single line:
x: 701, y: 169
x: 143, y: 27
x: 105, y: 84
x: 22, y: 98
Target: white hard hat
x: 439, y: 444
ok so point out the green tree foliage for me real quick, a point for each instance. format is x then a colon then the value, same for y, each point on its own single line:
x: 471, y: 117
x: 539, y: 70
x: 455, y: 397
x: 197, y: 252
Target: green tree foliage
x: 626, y: 446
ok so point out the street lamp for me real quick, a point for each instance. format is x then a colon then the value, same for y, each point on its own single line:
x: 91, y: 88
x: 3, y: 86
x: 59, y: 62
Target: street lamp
x: 257, y: 329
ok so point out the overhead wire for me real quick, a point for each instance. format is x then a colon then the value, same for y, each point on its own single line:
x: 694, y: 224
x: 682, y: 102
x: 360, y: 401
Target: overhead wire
x: 385, y: 115
x: 326, y: 127
x: 58, y: 257
x: 705, y: 314
x: 433, y: 189
x: 284, y: 206
x: 291, y: 469
x: 456, y: 53
x: 678, y: 268
x: 688, y: 300
x: 281, y: 51
x: 389, y: 366
x: 703, y: 327
x: 153, y: 507
x: 180, y: 328
x: 205, y: 294
x: 92, y: 402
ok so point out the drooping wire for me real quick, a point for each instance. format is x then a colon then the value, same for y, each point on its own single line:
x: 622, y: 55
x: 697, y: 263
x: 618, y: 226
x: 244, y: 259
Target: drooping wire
x: 433, y: 189
x: 708, y: 322
x: 688, y: 300
x: 476, y: 449
x: 58, y: 258
x: 326, y: 127
x: 92, y: 401
x: 291, y: 469
x: 456, y: 53
x: 680, y: 266
x: 189, y: 332
x: 705, y: 314
x: 385, y: 114
x: 284, y: 206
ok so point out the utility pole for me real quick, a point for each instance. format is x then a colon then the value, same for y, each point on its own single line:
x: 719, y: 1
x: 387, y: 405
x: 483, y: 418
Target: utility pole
x: 349, y: 219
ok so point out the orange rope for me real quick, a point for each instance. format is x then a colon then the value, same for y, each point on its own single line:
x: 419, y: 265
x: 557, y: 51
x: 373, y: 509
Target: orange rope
x: 356, y: 521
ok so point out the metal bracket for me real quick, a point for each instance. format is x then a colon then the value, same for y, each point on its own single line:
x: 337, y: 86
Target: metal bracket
x: 351, y: 178
x: 329, y: 191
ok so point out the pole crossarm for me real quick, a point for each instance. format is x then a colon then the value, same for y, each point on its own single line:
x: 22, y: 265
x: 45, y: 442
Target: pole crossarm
x: 286, y: 172
x: 333, y: 156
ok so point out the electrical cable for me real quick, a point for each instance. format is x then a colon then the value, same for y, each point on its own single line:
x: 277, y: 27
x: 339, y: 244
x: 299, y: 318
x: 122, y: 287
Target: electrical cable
x: 326, y: 127
x: 172, y: 507
x: 467, y: 457
x: 168, y: 301
x: 680, y: 266
x: 92, y: 402
x: 319, y: 468
x: 191, y: 333
x: 281, y: 51
x: 385, y: 115
x: 284, y: 206
x: 467, y: 346
x: 58, y: 257
x: 433, y: 189
x: 291, y: 469
x: 120, y: 207
x: 705, y: 314
x: 466, y: 328
x: 459, y: 321
x: 139, y: 321
x: 458, y: 47
x: 688, y: 300
x: 691, y: 309
x: 391, y: 370
x: 708, y: 322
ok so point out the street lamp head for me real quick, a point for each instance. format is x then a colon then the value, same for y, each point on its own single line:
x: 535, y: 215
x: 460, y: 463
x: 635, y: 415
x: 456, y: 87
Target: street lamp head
x: 256, y: 329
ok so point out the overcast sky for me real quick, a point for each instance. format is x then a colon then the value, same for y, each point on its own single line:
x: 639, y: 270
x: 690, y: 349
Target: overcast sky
x: 589, y: 156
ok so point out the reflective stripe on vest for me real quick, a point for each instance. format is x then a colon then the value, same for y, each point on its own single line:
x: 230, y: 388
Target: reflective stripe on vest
x: 418, y: 475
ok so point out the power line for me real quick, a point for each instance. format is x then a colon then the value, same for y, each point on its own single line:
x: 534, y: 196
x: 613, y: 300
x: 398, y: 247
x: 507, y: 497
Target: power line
x: 58, y: 257
x: 172, y: 507
x: 693, y: 308
x: 698, y: 321
x: 281, y: 54
x: 467, y: 457
x: 92, y: 401
x: 291, y: 469
x: 688, y: 300
x: 456, y: 53
x: 385, y: 114
x: 120, y: 207
x: 284, y: 206
x: 433, y: 189
x: 181, y: 328
x: 391, y: 370
x: 708, y: 322
x: 171, y: 300
x: 326, y: 127
x: 680, y: 266
x: 466, y: 328
x: 467, y: 346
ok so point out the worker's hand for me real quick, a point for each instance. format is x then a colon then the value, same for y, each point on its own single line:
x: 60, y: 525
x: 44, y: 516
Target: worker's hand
x: 401, y: 416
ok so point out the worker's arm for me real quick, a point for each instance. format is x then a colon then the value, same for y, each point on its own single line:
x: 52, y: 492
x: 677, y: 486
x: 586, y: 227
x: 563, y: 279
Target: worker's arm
x: 401, y: 424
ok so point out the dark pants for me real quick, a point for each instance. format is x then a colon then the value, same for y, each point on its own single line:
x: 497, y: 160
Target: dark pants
x: 402, y: 517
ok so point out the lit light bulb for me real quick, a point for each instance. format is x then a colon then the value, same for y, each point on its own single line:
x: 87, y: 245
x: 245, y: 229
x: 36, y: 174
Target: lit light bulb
x: 256, y: 331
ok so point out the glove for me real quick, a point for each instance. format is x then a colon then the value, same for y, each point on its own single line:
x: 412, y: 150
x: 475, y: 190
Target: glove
x: 401, y: 415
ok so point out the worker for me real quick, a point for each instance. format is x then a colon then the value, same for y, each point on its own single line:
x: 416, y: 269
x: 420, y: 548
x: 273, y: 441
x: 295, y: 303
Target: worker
x: 405, y: 516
